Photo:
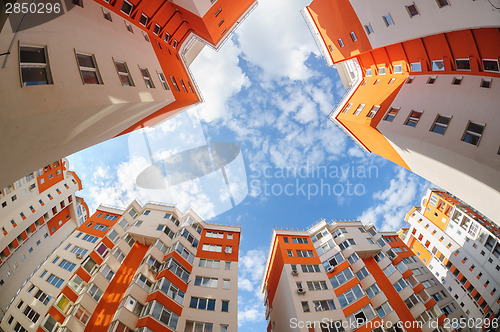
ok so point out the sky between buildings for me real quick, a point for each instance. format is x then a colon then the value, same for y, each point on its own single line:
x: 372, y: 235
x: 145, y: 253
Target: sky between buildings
x: 269, y: 91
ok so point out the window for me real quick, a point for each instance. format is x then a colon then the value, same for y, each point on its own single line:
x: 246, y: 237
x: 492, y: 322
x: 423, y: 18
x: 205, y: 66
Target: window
x: 310, y: 268
x: 416, y: 66
x: 413, y: 118
x: 64, y: 304
x: 289, y: 253
x: 95, y: 292
x: 376, y: 82
x: 346, y: 244
x: 42, y: 297
x: 198, y: 327
x: 132, y: 305
x: 440, y: 124
x: 156, y: 29
x: 437, y: 65
x: 163, y: 81
x: 54, y: 281
x: 442, y: 3
x: 359, y: 109
x: 144, y: 19
x: 350, y: 296
x: 363, y: 273
x: 368, y: 73
x: 400, y: 285
x: 305, y: 306
x: 305, y: 253
x: 346, y: 109
x: 299, y: 240
x: 144, y: 282
x: 204, y: 304
x: 388, y: 20
x: 372, y: 290
x: 67, y: 265
x: 89, y: 265
x: 369, y: 29
x: 209, y: 263
x: 226, y: 284
x: 373, y: 111
x: 90, y: 238
x: 391, y: 114
x: 127, y: 7
x: 316, y: 285
x: 341, y: 43
x: 123, y: 73
x: 225, y: 306
x: 167, y: 37
x: 216, y: 235
x: 390, y: 269
x: 384, y: 309
x: 176, y: 87
x: 473, y: 133
x: 392, y: 80
x: 324, y: 305
x: 381, y: 70
x: 341, y: 278
x: 82, y: 315
x: 107, y: 272
x: 462, y: 64
x: 119, y: 255
x: 147, y: 78
x: 88, y: 69
x: 206, y: 282
x: 34, y: 66
x: 285, y: 239
x: 31, y: 314
x: 486, y: 83
x: 212, y: 247
x: 412, y: 10
x: 353, y: 36
x: 353, y: 258
x: 164, y: 315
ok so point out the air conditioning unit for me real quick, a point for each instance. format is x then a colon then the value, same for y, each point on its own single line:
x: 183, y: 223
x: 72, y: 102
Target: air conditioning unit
x: 330, y: 269
x: 153, y: 269
x: 301, y: 291
x: 79, y: 256
x: 295, y: 272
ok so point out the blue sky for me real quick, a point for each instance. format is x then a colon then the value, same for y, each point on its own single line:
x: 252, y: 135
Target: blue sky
x: 269, y: 91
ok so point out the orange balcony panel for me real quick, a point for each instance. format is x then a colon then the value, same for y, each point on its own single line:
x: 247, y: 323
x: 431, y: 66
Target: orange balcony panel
x: 429, y: 304
x: 407, y: 274
x: 418, y: 288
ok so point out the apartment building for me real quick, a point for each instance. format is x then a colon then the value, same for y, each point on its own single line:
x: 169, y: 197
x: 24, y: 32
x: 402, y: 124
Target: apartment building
x: 88, y: 71
x: 461, y: 248
x: 146, y: 268
x: 347, y: 276
x: 422, y: 87
x: 37, y: 213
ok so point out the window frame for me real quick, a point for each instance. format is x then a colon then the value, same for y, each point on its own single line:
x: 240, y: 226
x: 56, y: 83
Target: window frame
x: 387, y: 22
x: 467, y: 131
x: 147, y: 78
x: 123, y: 74
x: 45, y: 65
x: 437, y: 124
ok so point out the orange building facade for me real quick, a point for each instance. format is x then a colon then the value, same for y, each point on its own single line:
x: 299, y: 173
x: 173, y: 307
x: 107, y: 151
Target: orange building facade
x: 145, y: 268
x: 101, y: 69
x: 421, y: 84
x: 346, y: 276
x: 461, y: 248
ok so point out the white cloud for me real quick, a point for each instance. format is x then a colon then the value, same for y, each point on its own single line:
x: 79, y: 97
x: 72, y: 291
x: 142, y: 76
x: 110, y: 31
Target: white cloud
x: 219, y: 77
x: 393, y: 203
x: 251, y: 267
x: 278, y: 44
